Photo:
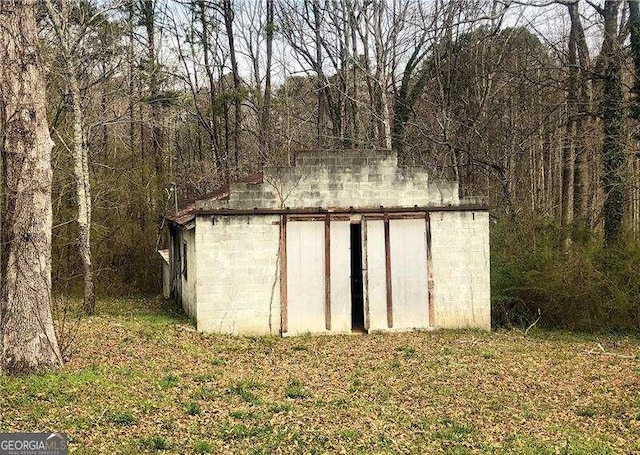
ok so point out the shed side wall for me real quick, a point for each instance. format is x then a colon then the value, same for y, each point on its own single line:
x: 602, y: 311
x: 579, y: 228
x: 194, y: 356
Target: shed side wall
x: 189, y: 300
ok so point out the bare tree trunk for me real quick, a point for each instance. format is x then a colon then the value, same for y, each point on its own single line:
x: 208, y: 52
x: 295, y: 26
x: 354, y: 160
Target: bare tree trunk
x: 148, y: 11
x: 131, y: 75
x: 267, y: 127
x: 83, y: 193
x: 382, y: 111
x: 60, y: 19
x: 355, y: 113
x: 583, y: 124
x: 27, y: 337
x: 104, y: 144
x: 228, y: 23
x: 568, y: 151
x: 634, y: 112
x: 212, y: 122
x: 613, y: 143
x: 319, y: 73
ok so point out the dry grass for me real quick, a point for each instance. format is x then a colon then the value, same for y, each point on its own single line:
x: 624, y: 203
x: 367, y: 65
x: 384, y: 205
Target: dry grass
x: 141, y: 380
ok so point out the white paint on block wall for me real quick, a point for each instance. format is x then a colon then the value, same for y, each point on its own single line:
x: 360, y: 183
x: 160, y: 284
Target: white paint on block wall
x: 460, y: 252
x: 238, y: 279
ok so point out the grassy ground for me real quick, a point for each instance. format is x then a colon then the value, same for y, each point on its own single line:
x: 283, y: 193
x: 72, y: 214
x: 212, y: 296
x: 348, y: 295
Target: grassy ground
x: 141, y: 380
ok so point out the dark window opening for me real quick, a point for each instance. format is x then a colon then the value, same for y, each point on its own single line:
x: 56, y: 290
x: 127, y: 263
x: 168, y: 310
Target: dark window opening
x: 184, y: 260
x: 357, y: 293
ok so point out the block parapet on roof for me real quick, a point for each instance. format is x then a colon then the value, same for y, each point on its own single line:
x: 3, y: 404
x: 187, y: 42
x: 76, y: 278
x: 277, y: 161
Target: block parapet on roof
x: 328, y: 180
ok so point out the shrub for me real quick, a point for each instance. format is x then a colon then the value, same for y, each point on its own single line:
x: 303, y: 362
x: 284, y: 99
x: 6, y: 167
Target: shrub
x: 155, y: 442
x: 244, y: 391
x: 124, y: 419
x: 581, y: 287
x: 202, y: 447
x: 169, y: 381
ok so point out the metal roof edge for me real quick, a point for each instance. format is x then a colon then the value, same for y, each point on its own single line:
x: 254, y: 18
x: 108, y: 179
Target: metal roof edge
x: 342, y: 210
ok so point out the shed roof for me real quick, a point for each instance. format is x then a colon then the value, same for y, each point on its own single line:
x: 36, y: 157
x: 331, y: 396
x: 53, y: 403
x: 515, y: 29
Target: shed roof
x: 187, y: 211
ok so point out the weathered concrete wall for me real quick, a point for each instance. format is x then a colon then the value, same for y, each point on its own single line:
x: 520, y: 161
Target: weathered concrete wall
x: 460, y: 252
x: 340, y: 179
x: 189, y: 283
x: 238, y: 282
x: 236, y: 274
x: 238, y: 277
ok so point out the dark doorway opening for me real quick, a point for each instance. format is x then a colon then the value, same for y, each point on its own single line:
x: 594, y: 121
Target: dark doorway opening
x: 357, y: 293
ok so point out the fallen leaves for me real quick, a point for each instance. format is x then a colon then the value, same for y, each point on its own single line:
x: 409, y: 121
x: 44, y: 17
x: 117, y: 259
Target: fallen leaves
x: 142, y: 380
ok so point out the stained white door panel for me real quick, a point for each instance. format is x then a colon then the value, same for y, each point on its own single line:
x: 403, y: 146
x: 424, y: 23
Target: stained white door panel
x: 408, y: 249
x: 305, y: 277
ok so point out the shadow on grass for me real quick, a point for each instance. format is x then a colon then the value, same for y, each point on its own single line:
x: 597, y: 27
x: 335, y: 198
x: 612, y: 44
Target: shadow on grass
x: 150, y: 309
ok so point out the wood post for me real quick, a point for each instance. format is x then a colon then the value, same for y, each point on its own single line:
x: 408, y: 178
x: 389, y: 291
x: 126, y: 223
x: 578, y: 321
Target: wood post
x: 430, y: 298
x: 365, y: 273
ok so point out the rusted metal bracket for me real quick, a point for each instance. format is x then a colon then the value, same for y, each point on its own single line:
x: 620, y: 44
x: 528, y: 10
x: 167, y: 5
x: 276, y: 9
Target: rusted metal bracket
x: 284, y: 315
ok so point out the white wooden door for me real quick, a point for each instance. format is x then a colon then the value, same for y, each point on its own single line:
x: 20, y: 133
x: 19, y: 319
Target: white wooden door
x: 305, y: 277
x: 374, y: 277
x: 410, y: 295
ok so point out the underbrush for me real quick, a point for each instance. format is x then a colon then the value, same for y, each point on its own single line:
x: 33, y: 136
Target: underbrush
x: 583, y: 286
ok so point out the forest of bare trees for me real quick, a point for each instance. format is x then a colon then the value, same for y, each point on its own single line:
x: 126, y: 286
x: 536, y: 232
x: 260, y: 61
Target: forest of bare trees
x: 532, y: 106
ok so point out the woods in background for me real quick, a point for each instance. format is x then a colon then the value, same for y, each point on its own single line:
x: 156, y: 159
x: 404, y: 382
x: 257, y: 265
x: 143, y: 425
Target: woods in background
x: 532, y: 108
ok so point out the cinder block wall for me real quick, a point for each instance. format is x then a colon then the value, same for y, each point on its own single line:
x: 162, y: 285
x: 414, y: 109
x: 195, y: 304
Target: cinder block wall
x: 341, y: 179
x: 238, y: 281
x: 460, y: 252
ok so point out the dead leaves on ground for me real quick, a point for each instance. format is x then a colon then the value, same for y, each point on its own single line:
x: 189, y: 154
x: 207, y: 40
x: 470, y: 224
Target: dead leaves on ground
x: 140, y: 382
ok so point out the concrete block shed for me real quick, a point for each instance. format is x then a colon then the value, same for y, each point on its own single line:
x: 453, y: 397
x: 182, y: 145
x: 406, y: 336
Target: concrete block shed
x: 338, y: 242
